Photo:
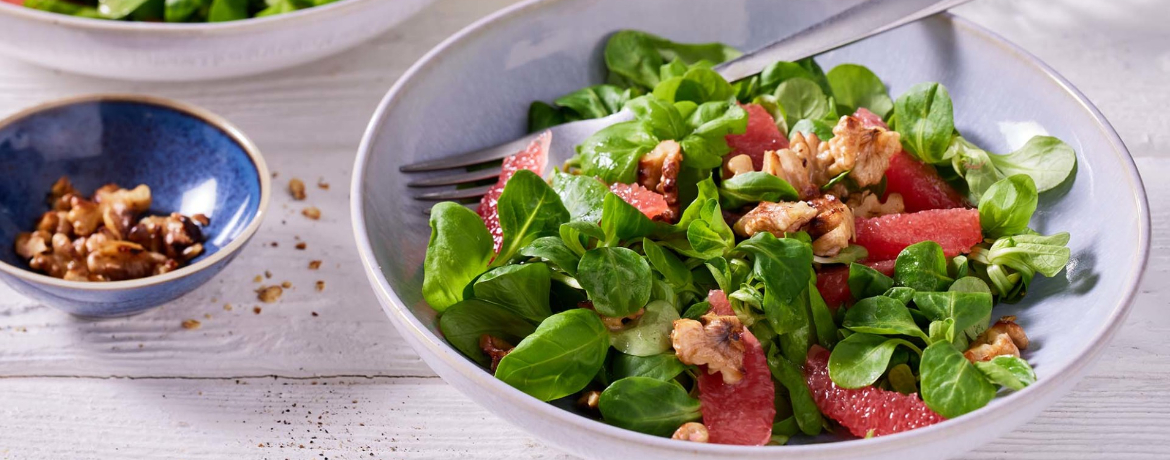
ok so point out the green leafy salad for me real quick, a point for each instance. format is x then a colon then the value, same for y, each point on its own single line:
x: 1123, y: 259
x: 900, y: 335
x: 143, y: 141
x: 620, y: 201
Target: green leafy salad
x: 746, y: 262
x: 171, y: 10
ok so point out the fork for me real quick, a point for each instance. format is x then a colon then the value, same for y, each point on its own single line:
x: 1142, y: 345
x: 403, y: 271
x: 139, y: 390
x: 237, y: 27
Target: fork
x: 860, y: 21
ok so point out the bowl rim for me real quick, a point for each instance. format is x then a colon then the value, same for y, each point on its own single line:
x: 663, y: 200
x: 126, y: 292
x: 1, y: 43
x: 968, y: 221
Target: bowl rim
x: 988, y: 416
x: 202, y: 114
x: 179, y: 29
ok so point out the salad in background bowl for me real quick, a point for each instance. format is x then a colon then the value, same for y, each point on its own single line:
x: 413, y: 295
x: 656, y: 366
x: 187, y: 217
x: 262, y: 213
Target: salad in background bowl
x: 154, y: 40
x: 670, y: 304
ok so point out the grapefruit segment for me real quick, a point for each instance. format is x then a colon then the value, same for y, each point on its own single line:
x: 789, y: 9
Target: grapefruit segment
x: 533, y: 158
x: 956, y: 230
x: 920, y: 185
x: 651, y: 203
x: 864, y: 411
x: 869, y: 119
x: 739, y: 413
x: 761, y: 136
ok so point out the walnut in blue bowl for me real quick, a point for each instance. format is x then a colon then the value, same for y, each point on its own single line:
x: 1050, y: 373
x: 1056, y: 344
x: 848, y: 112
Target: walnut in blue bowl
x: 72, y: 237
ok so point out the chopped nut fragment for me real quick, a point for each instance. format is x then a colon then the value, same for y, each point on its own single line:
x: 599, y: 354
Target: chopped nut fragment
x: 618, y: 323
x: 867, y: 205
x: 713, y: 340
x: 256, y: 309
x: 739, y: 164
x: 258, y: 279
x: 775, y: 218
x: 320, y: 285
x: 302, y: 245
x: 832, y: 228
x: 297, y: 188
x: 864, y: 151
x: 201, y: 219
x: 691, y: 431
x: 269, y: 294
x: 286, y: 284
x: 314, y: 264
x: 799, y: 164
x: 1005, y: 337
x: 321, y: 184
x: 495, y: 348
x: 227, y: 307
x: 312, y: 212
x: 658, y: 171
x: 589, y: 399
x: 191, y: 324
x: 267, y: 274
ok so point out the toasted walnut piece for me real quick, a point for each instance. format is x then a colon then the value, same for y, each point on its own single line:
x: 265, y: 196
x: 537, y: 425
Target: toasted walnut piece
x: 269, y: 294
x: 319, y: 285
x: 123, y: 260
x: 1004, y: 338
x: 865, y: 151
x: 739, y: 164
x: 311, y: 212
x: 29, y: 245
x: 614, y: 323
x: 84, y: 216
x: 201, y: 219
x: 713, y: 340
x: 321, y: 184
x: 191, y: 324
x: 314, y: 264
x: 589, y: 400
x: 775, y: 218
x: 60, y: 194
x: 691, y: 431
x: 798, y: 165
x: 137, y: 199
x: 296, y: 188
x: 495, y: 347
x: 286, y: 284
x: 191, y: 252
x: 832, y: 228
x: 50, y: 221
x: 658, y: 170
x: 867, y: 205
x: 301, y: 246
x: 174, y: 235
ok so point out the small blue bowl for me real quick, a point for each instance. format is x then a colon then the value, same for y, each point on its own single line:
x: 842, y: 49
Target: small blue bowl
x: 192, y: 160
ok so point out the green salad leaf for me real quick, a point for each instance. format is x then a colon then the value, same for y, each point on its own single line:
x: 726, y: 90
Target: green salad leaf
x: 552, y: 249
x: 1009, y: 371
x: 460, y: 249
x: 754, y: 187
x: 581, y: 195
x: 637, y: 57
x: 881, y: 315
x: 464, y: 323
x: 665, y: 366
x: 528, y: 209
x: 922, y: 267
x: 855, y: 86
x: 523, y: 289
x: 648, y: 405
x: 865, y: 281
x: 951, y: 385
x: 559, y: 358
x: 801, y: 99
x: 926, y: 121
x: 1007, y: 207
x: 649, y: 334
x: 862, y: 358
x: 1046, y: 159
x: 617, y: 279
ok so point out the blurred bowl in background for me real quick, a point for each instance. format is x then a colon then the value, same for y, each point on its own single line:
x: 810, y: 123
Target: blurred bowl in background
x: 153, y: 51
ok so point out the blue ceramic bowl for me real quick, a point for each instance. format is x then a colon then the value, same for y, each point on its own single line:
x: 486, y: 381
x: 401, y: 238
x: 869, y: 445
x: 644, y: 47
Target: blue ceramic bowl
x: 192, y: 160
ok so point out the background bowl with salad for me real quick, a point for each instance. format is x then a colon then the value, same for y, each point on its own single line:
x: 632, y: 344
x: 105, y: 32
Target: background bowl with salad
x: 185, y: 40
x: 1000, y: 100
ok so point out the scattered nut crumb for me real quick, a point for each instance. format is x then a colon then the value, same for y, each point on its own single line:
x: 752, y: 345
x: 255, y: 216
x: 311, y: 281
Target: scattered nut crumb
x: 302, y: 245
x: 256, y: 309
x: 320, y: 285
x: 286, y: 284
x: 207, y: 316
x: 314, y: 314
x: 274, y: 244
x: 227, y: 307
x: 202, y: 219
x: 312, y: 212
x: 191, y: 324
x: 258, y: 279
x: 314, y: 264
x: 275, y: 173
x: 321, y: 184
x: 296, y: 188
x: 267, y: 274
x: 269, y: 294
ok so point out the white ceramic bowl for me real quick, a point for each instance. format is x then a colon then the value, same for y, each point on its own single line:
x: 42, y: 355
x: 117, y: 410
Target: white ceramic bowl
x: 474, y: 90
x: 148, y: 51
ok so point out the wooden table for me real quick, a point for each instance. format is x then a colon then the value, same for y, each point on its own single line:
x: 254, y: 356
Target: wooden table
x: 324, y: 375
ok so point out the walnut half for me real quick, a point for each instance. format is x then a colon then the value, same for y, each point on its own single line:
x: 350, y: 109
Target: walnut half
x: 1004, y: 338
x: 692, y: 431
x: 714, y: 340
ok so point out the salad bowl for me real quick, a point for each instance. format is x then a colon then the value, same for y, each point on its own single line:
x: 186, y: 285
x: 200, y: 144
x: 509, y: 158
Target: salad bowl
x: 156, y: 51
x: 1002, y: 95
